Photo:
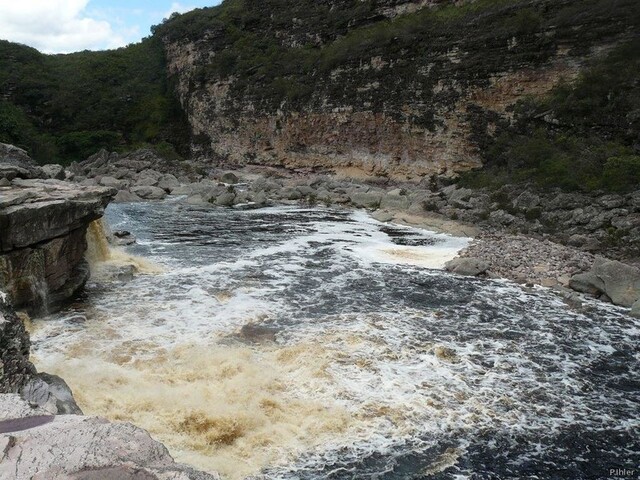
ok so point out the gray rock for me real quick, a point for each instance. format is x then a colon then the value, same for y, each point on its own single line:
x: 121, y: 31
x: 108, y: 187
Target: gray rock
x: 125, y: 196
x: 369, y: 199
x: 229, y: 178
x: 168, y: 183
x: 16, y: 370
x: 226, y: 199
x: 16, y: 163
x: 621, y: 281
x: 148, y: 192
x: 382, y: 216
x: 197, y: 199
x: 395, y: 200
x: 502, y: 218
x: 290, y: 193
x: 51, y: 393
x: 587, y: 282
x: 4, y: 182
x: 635, y: 309
x: 526, y: 201
x: 112, y: 182
x: 260, y: 199
x: 468, y: 266
x: 72, y: 446
x: 53, y: 170
x: 460, y: 195
x: 148, y: 178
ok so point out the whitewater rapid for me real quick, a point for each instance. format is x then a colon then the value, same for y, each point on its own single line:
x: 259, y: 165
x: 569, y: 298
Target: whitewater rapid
x: 320, y: 343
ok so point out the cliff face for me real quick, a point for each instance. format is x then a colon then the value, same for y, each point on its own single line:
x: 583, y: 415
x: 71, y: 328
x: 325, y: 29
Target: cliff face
x: 43, y: 224
x: 397, y: 88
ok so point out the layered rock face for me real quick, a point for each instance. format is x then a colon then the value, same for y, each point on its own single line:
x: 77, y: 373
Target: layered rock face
x: 43, y: 225
x: 349, y: 90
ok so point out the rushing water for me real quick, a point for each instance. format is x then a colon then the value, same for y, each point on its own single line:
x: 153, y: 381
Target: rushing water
x: 317, y: 343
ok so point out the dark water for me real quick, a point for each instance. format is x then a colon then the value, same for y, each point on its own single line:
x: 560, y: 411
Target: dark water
x: 442, y: 377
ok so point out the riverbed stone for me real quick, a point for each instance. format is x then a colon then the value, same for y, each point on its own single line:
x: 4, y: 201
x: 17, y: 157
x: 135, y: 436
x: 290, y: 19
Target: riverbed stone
x: 587, y: 282
x: 467, y: 266
x: 148, y: 192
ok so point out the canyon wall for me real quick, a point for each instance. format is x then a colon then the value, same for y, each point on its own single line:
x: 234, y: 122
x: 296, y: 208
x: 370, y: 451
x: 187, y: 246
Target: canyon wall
x: 403, y: 89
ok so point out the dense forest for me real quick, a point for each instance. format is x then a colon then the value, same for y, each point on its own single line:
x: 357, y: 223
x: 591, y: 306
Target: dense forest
x: 65, y: 107
x: 583, y: 136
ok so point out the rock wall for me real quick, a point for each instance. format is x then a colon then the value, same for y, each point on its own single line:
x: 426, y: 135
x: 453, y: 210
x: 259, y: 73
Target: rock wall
x: 406, y: 98
x: 43, y: 225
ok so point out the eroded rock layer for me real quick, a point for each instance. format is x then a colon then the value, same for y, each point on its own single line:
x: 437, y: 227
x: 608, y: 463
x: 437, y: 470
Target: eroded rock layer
x: 43, y: 224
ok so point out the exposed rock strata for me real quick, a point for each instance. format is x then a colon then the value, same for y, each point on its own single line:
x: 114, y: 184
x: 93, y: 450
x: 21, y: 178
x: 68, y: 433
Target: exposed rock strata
x: 397, y: 108
x: 43, y: 227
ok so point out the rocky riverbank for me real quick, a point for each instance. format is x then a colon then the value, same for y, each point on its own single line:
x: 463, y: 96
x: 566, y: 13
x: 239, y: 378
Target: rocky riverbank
x: 528, y: 236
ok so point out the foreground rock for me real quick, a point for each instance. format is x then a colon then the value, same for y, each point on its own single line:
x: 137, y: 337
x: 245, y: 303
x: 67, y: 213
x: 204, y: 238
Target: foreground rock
x: 38, y: 446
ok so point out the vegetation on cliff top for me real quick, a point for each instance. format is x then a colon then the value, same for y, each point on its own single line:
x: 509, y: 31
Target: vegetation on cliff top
x: 66, y: 107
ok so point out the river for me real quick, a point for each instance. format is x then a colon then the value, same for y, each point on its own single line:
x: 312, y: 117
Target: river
x: 316, y: 343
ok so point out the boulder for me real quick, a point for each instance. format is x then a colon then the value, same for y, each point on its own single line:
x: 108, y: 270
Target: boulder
x: 168, y: 183
x: 229, y: 178
x: 621, y: 281
x: 54, y: 170
x: 197, y: 199
x: 16, y: 163
x: 125, y: 196
x: 148, y: 192
x: 526, y: 201
x: 148, y: 178
x: 182, y: 190
x: 395, y: 200
x: 113, y: 182
x: 369, y: 199
x: 587, y: 282
x: 635, y: 309
x: 225, y: 199
x: 50, y: 393
x: 88, y: 448
x: 382, y: 216
x: 467, y: 266
x: 123, y: 237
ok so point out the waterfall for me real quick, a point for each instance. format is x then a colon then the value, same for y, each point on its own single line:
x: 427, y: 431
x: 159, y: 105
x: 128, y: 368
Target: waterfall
x: 107, y: 262
x: 98, y: 249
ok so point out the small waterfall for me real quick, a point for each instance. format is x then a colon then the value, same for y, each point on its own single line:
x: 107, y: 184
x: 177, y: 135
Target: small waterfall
x: 98, y: 249
x: 111, y: 263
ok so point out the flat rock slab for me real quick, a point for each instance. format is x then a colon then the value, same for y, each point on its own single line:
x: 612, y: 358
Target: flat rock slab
x: 73, y: 446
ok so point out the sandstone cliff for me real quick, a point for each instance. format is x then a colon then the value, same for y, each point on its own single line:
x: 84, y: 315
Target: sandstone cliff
x: 397, y: 88
x: 43, y: 224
